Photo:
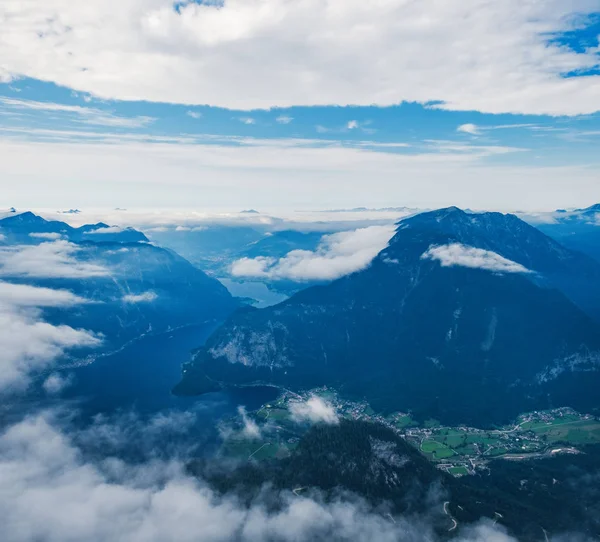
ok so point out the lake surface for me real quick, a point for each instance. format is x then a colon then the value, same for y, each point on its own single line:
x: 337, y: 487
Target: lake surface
x: 140, y: 378
x: 254, y: 290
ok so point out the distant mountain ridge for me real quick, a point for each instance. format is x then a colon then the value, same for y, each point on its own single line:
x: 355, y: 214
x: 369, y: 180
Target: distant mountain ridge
x: 456, y: 342
x: 135, y: 288
x: 578, y: 229
x: 23, y: 227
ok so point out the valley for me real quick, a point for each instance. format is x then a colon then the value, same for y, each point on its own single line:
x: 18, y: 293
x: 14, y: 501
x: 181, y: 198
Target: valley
x: 425, y: 383
x: 459, y: 450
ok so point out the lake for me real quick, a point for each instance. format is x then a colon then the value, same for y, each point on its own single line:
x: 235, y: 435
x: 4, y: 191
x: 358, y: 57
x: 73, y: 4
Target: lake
x: 140, y: 378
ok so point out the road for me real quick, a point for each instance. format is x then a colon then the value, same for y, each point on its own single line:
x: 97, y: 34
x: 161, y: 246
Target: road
x: 447, y: 512
x: 258, y: 450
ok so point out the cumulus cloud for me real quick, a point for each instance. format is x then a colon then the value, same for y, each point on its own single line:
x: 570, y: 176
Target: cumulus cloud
x: 47, y: 260
x: 250, y: 427
x: 284, y: 119
x: 247, y: 120
x: 353, y: 124
x: 28, y: 343
x: 53, y: 489
x: 56, y: 383
x: 46, y: 235
x: 194, y: 114
x: 315, y: 410
x: 23, y: 295
x: 337, y: 255
x: 457, y: 254
x: 145, y: 297
x: 320, y: 53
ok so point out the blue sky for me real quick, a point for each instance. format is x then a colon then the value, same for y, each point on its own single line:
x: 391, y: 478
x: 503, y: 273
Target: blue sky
x: 508, y: 122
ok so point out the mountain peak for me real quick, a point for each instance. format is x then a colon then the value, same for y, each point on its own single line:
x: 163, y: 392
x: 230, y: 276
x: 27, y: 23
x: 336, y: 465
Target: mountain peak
x: 448, y: 215
x: 96, y: 226
x: 450, y: 218
x: 446, y: 212
x: 25, y: 218
x: 592, y: 209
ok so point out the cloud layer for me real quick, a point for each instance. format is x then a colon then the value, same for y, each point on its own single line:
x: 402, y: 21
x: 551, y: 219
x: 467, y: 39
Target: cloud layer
x: 104, y: 231
x: 338, y: 254
x: 47, y: 260
x: 22, y: 295
x: 51, y: 490
x: 456, y: 254
x: 272, y: 173
x: 28, y: 343
x: 308, y: 52
x: 145, y: 297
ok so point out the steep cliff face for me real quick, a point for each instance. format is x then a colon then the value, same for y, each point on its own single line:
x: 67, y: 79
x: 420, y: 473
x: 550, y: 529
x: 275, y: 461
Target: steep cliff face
x: 146, y: 289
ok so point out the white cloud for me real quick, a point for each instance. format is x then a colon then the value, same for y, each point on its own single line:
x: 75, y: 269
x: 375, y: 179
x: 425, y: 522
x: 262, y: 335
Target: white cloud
x: 51, y: 490
x: 472, y: 129
x: 194, y: 114
x: 315, y: 410
x: 353, y: 124
x: 284, y: 119
x: 338, y: 254
x: 46, y: 235
x: 145, y: 297
x: 157, y: 229
x: 261, y: 175
x: 47, y: 260
x: 184, y: 220
x: 56, y: 383
x: 475, y: 129
x: 319, y: 53
x: 253, y: 267
x: 456, y: 254
x: 84, y: 115
x: 22, y: 295
x: 247, y: 120
x: 107, y: 230
x: 28, y: 344
x: 250, y: 429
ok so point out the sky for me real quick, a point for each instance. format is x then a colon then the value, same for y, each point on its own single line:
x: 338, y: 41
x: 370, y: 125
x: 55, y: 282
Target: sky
x: 310, y: 104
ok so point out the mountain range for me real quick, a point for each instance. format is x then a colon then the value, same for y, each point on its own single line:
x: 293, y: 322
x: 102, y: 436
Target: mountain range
x: 578, y: 229
x: 466, y: 318
x: 29, y: 228
x: 131, y: 286
x: 215, y: 247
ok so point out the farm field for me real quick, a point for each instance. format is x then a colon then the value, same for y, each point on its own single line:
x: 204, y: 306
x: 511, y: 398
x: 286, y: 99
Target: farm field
x: 436, y: 450
x: 460, y: 451
x: 572, y: 432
